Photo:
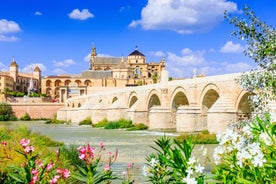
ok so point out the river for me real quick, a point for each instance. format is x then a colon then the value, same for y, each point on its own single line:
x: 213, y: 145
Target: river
x: 133, y: 146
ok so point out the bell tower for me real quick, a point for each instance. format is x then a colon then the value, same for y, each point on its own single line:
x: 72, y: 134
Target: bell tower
x: 92, y: 58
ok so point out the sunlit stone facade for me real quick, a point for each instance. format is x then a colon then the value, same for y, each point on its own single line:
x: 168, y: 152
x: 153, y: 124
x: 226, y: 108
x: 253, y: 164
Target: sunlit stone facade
x: 104, y: 72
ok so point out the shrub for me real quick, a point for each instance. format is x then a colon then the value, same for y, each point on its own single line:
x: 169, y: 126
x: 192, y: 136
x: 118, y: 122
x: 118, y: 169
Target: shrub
x: 5, y: 112
x: 101, y: 123
x: 26, y: 117
x: 139, y: 126
x: 86, y: 121
x: 54, y: 120
x: 121, y: 123
x: 203, y: 137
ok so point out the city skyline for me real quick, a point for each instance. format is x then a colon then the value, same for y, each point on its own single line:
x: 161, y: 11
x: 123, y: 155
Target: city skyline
x: 58, y: 35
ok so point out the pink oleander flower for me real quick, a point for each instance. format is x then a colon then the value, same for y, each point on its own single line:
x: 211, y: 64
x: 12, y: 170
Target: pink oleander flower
x: 34, y: 171
x: 38, y: 163
x: 66, y: 173
x: 28, y: 149
x: 24, y: 142
x: 124, y: 173
x: 106, y: 167
x: 4, y: 143
x: 110, y: 153
x: 130, y: 165
x: 82, y: 156
x: 54, y: 179
x: 101, y: 144
x: 63, y: 172
x: 35, y: 178
x: 49, y: 166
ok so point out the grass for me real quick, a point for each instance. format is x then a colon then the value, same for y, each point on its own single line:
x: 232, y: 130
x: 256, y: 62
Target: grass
x: 101, y: 123
x: 203, y: 137
x: 139, y: 126
x: 121, y: 123
x: 86, y: 121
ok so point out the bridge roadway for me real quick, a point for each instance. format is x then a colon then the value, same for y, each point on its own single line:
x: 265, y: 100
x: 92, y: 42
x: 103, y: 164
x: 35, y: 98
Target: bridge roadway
x: 189, y: 105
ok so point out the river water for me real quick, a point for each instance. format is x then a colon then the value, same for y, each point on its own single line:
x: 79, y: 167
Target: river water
x: 133, y: 146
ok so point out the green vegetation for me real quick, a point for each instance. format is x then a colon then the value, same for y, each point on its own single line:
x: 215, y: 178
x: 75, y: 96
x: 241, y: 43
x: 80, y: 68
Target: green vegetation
x: 139, y: 126
x: 54, y: 120
x: 101, y: 123
x: 203, y: 137
x: 6, y: 113
x: 121, y: 123
x: 86, y: 121
x: 26, y: 117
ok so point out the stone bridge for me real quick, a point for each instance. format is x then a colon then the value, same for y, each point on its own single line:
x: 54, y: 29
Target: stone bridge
x: 204, y: 103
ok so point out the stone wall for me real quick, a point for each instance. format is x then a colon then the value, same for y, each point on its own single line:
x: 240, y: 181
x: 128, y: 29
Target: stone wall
x: 36, y: 110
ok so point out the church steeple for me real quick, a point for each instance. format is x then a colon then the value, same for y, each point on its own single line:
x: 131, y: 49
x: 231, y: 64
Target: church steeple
x: 92, y: 58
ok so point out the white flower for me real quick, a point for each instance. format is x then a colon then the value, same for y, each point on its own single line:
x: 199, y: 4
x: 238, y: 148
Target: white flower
x: 145, y: 170
x: 192, y: 160
x: 265, y: 138
x: 258, y: 160
x: 189, y: 180
x: 204, y: 150
x: 244, y: 154
x: 199, y: 168
x: 153, y: 162
x: 190, y: 171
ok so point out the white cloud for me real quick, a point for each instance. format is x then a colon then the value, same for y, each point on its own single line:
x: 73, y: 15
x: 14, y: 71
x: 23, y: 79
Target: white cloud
x: 188, y: 57
x: 4, y: 38
x: 230, y: 47
x: 58, y: 71
x: 158, y: 54
x: 7, y: 26
x: 183, y: 16
x: 29, y: 68
x: 3, y: 67
x: 225, y: 68
x: 80, y: 15
x: 38, y: 13
x: 183, y: 64
x: 65, y: 63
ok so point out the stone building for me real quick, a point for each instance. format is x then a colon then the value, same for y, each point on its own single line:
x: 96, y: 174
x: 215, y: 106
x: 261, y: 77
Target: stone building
x: 20, y: 82
x: 104, y: 72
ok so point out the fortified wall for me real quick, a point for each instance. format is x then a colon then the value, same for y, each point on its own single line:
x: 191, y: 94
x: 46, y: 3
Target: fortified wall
x: 207, y: 103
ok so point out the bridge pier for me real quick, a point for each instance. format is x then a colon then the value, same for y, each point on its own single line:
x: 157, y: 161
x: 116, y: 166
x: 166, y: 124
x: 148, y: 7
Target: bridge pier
x: 189, y: 119
x: 98, y: 115
x: 160, y: 118
x: 115, y: 113
x: 138, y: 116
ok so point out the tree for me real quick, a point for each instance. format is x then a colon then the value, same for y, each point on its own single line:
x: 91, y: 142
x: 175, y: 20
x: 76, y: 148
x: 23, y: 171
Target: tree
x: 261, y: 47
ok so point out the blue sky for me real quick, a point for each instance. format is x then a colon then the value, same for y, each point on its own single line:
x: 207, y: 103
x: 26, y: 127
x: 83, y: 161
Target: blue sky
x: 58, y: 35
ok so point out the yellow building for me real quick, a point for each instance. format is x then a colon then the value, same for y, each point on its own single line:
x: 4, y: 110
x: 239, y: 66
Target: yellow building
x: 104, y: 72
x: 20, y: 82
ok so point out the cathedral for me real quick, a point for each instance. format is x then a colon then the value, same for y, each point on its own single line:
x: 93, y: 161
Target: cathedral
x: 104, y: 72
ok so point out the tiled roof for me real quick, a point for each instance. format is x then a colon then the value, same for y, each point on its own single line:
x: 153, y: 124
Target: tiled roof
x: 136, y: 53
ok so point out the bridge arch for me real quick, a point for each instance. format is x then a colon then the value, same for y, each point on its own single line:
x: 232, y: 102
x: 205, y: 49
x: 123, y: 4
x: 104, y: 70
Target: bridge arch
x: 243, y: 105
x: 153, y: 99
x: 210, y: 94
x: 178, y: 98
x: 132, y: 99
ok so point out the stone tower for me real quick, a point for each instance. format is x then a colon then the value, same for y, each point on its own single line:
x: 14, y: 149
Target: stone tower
x: 14, y: 70
x: 92, y: 58
x: 37, y: 75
